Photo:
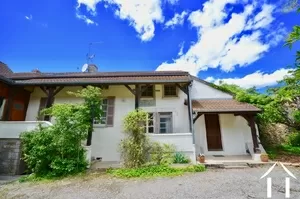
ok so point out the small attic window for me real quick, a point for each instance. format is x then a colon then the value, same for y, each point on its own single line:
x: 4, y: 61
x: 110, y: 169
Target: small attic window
x: 170, y: 90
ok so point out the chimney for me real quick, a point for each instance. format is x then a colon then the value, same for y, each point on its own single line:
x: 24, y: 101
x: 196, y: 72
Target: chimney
x: 36, y: 71
x: 92, y: 68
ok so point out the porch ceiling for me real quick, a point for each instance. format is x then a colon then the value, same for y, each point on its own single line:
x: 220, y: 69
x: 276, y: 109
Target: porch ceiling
x: 222, y: 106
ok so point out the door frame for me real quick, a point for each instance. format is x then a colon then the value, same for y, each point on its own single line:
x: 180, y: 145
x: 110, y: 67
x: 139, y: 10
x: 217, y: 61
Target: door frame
x: 214, y: 152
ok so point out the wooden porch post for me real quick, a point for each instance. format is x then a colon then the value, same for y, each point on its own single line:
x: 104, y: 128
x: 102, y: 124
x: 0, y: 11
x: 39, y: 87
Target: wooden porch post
x: 190, y: 111
x: 137, y: 96
x: 137, y: 93
x: 251, y: 123
x: 50, y: 93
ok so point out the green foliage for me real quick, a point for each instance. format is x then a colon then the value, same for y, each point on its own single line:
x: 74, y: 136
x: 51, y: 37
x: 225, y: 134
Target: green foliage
x: 294, y: 140
x: 57, y: 150
x: 162, y: 154
x: 195, y: 168
x: 135, y: 146
x: 92, y: 102
x: 181, y: 158
x: 154, y: 171
x: 293, y: 150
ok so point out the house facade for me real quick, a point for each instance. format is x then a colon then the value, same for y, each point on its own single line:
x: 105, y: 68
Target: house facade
x: 183, y: 110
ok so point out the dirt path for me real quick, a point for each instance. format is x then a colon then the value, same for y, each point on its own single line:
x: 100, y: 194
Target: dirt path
x: 230, y: 183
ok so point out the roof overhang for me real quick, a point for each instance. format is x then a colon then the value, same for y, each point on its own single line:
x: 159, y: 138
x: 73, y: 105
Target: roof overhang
x: 213, y: 106
x: 6, y: 80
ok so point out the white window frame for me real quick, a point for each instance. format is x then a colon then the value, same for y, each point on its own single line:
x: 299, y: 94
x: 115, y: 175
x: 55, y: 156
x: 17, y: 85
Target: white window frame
x: 103, y: 119
x: 156, y: 116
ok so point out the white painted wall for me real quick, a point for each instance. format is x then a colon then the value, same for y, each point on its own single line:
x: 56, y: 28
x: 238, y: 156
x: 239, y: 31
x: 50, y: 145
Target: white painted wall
x: 182, y: 141
x: 235, y: 134
x: 15, y: 128
x: 202, y: 91
x: 105, y: 141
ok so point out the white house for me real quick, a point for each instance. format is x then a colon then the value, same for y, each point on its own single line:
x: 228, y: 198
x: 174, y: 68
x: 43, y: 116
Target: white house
x: 184, y: 110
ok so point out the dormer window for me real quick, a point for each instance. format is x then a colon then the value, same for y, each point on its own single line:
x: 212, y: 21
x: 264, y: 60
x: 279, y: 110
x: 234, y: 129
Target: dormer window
x: 170, y: 90
x: 148, y: 91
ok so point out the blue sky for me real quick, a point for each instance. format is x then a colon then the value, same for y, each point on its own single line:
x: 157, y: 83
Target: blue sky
x: 236, y: 41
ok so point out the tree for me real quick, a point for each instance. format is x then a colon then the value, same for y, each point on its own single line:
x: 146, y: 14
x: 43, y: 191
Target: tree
x: 92, y: 104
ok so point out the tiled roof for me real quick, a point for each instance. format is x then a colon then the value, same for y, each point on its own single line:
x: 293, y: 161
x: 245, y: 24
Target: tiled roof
x: 4, y: 69
x: 37, y: 78
x: 222, y: 105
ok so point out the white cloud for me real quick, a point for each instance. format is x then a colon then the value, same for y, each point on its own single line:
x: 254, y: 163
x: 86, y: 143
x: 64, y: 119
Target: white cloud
x: 277, y: 35
x: 222, y: 40
x: 90, y: 5
x: 29, y: 17
x: 178, y: 19
x: 141, y: 14
x: 85, y: 19
x: 257, y: 79
x: 181, y: 49
x: 173, y: 2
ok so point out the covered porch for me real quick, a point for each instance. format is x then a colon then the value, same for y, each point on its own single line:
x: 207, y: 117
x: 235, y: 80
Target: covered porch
x: 226, y: 129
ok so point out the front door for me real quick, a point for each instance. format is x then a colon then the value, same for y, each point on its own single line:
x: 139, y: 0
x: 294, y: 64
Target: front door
x: 213, y: 133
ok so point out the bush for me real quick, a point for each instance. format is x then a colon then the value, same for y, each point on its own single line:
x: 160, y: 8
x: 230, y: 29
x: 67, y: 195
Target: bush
x: 135, y: 146
x: 56, y: 150
x: 180, y: 158
x: 162, y: 154
x: 294, y: 139
x: 154, y: 171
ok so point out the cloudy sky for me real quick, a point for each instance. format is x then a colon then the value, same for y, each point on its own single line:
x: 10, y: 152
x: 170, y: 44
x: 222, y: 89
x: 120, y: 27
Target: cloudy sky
x: 236, y: 41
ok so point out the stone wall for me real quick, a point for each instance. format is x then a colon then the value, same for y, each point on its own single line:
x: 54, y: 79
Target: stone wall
x: 10, y: 156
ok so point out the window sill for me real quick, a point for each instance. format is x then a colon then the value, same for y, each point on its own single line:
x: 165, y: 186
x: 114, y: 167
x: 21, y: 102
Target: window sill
x: 100, y: 126
x: 173, y: 96
x: 169, y: 134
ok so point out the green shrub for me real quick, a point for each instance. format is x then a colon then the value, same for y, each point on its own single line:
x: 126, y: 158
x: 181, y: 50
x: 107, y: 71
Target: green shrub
x: 161, y: 153
x: 135, y: 146
x: 290, y: 149
x: 180, y: 158
x: 57, y: 150
x: 294, y: 139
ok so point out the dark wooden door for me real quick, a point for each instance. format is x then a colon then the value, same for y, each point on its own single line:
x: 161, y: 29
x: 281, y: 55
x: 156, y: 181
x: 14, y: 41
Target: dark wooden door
x: 18, y: 108
x: 213, y: 133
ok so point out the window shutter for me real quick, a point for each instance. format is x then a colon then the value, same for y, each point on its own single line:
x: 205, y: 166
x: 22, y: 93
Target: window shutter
x: 43, y: 102
x: 110, y: 111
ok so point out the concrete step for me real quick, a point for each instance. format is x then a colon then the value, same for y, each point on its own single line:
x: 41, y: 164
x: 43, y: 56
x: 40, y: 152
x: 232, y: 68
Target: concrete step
x: 235, y: 163
x: 236, y: 167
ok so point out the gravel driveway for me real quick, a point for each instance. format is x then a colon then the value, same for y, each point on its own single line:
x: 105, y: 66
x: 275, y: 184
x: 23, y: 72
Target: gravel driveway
x: 230, y: 183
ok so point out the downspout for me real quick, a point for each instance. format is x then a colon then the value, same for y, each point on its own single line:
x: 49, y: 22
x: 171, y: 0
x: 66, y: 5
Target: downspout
x: 190, y: 110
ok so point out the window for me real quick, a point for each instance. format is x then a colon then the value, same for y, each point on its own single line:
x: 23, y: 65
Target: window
x: 148, y: 91
x: 2, y: 105
x: 107, y: 112
x: 170, y: 91
x: 160, y: 123
x: 165, y: 123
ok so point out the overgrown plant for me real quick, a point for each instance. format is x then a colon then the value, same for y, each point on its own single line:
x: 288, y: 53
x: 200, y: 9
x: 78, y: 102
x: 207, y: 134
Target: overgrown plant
x: 181, y: 158
x: 162, y: 153
x: 135, y: 146
x: 57, y: 150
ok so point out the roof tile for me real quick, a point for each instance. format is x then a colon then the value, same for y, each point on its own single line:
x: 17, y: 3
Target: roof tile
x: 222, y: 105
